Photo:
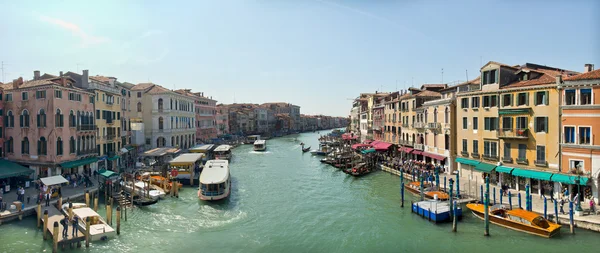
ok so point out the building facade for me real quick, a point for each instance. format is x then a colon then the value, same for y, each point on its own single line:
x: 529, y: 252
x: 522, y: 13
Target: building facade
x: 222, y: 119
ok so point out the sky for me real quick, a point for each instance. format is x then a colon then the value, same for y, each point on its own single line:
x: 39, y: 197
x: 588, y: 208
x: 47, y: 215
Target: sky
x: 318, y: 54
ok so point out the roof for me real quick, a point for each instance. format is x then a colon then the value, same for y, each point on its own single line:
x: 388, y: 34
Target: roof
x: 260, y: 142
x: 84, y: 212
x: 186, y: 159
x: 160, y: 151
x: 440, y: 85
x: 158, y: 89
x: 53, y: 180
x: 501, y: 64
x: 223, y: 147
x: 11, y: 169
x: 428, y: 93
x: 215, y: 172
x: 473, y: 81
x: 142, y: 86
x: 103, y: 79
x: 546, y: 77
x: 201, y: 148
x: 585, y: 76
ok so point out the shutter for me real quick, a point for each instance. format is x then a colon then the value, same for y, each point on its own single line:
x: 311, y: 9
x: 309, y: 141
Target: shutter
x: 511, y: 100
x: 39, y: 122
x: 526, y: 98
x: 535, y: 125
x: 497, y: 76
x: 6, y: 121
x: 546, y: 98
x: 21, y: 120
x: 546, y: 125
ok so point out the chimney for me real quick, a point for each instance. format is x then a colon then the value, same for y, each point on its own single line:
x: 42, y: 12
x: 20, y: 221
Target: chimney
x: 559, y: 79
x: 588, y: 68
x: 17, y: 82
x: 61, y: 74
x: 36, y: 75
x: 85, y: 78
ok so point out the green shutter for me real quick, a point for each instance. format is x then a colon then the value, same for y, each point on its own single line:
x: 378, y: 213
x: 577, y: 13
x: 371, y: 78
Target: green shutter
x: 526, y: 98
x: 546, y: 98
x: 511, y: 99
x: 546, y: 125
x: 535, y: 124
x: 497, y: 76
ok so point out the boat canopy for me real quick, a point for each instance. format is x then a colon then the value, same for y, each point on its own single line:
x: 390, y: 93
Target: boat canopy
x: 160, y: 151
x: 53, y: 180
x: 223, y: 148
x: 84, y: 212
x: 186, y: 159
x: 260, y: 142
x: 202, y: 148
x: 215, y: 172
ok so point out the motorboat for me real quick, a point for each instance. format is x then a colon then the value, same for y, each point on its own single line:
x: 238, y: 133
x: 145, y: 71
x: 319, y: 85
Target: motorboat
x: 99, y: 229
x: 223, y: 152
x: 260, y: 145
x: 435, y: 211
x: 428, y: 191
x: 140, y: 188
x: 215, y: 180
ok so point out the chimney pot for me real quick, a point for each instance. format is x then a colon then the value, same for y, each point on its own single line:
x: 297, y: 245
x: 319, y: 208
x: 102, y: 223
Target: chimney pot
x: 61, y: 74
x: 559, y: 79
x: 588, y: 68
x: 36, y: 75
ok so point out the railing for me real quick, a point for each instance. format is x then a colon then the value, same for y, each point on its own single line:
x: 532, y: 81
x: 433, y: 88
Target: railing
x: 434, y: 126
x: 490, y: 157
x: 419, y: 125
x: 404, y: 142
x: 111, y: 136
x: 475, y: 155
x: 86, y: 128
x: 513, y: 133
x: 464, y: 153
x: 522, y: 161
x: 419, y: 146
x: 87, y: 152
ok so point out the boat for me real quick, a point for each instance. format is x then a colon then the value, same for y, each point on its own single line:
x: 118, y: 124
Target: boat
x: 260, y: 145
x: 429, y: 192
x: 323, y: 150
x: 215, y: 180
x: 251, y: 139
x: 140, y: 188
x: 223, y: 152
x: 158, y: 180
x: 435, y: 211
x: 206, y: 149
x: 304, y: 150
x: 517, y: 219
x: 359, y: 170
x: 99, y: 230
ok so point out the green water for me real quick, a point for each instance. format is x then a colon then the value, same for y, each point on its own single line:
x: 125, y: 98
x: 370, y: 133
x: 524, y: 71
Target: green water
x: 286, y: 201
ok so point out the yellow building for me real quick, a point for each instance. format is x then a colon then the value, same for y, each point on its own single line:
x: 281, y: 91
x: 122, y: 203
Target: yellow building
x: 413, y: 125
x: 108, y: 120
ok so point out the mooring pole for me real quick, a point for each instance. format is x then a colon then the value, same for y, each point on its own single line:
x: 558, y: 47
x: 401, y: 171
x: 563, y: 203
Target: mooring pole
x: 487, y: 206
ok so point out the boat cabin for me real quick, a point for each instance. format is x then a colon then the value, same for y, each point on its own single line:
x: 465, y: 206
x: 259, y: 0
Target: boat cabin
x: 253, y: 138
x: 215, y: 180
x: 187, y: 166
x: 206, y: 149
x: 260, y: 145
x: 223, y: 152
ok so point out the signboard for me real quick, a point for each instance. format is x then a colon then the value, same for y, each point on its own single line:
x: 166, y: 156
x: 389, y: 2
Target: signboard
x: 174, y: 173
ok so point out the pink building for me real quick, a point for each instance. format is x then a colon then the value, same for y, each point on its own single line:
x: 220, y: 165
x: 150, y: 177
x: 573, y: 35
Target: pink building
x: 50, y: 125
x: 1, y: 121
x: 206, y: 111
x: 222, y: 119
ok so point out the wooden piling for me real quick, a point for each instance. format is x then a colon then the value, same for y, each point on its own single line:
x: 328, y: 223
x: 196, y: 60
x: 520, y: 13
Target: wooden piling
x: 545, y: 208
x: 70, y: 211
x: 429, y: 216
x: 96, y: 203
x: 454, y: 221
x: 510, y: 200
x: 556, y: 211
x: 486, y: 204
x: 125, y: 211
x: 118, y: 220
x: 87, y: 232
x: 494, y: 193
x: 402, y: 194
x: 39, y: 214
x: 59, y: 203
x: 55, y: 238
x: 571, y: 222
x: 45, y: 223
x: 87, y: 198
x: 519, y: 195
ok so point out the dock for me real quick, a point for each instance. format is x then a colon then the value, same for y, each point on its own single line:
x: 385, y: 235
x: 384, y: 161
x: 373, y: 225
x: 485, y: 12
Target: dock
x: 55, y: 215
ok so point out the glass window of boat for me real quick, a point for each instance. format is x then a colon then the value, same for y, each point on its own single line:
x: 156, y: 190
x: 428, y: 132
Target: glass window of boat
x: 519, y: 219
x: 541, y: 222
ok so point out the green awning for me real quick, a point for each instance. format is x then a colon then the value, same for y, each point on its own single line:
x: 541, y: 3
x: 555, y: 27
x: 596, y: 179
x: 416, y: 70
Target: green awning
x: 366, y: 151
x: 10, y: 169
x: 113, y: 158
x: 568, y: 179
x: 107, y: 173
x: 130, y: 148
x: 485, y: 167
x: 466, y: 161
x: 504, y: 169
x: 540, y: 175
x: 513, y: 111
x: 77, y: 163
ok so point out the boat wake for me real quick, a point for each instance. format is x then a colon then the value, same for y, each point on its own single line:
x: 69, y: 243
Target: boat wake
x: 260, y: 152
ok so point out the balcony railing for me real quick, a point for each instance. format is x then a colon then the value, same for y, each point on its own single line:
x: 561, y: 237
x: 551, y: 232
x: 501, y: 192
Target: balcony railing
x: 507, y: 160
x: 434, y: 126
x: 475, y: 155
x: 404, y: 142
x: 513, y: 133
x: 86, y: 128
x: 464, y: 153
x: 490, y: 157
x: 419, y: 125
x: 419, y: 146
x: 87, y: 152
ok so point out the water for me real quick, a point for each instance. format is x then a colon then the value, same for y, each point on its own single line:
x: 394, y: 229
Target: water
x: 286, y: 201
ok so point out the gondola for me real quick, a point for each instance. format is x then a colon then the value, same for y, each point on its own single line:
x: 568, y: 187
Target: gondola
x: 304, y: 150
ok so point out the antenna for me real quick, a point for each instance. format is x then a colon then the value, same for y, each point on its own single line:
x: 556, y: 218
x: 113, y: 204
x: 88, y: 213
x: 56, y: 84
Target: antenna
x: 78, y: 64
x: 467, y: 73
x: 442, y: 75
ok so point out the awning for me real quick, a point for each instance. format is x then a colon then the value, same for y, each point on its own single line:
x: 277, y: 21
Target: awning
x: 124, y: 150
x: 367, y: 151
x: 405, y: 149
x: 504, y: 169
x: 434, y: 156
x: 513, y: 111
x: 77, y: 163
x: 568, y: 179
x: 107, y: 173
x: 540, y: 175
x: 466, y: 161
x: 10, y: 169
x: 360, y: 145
x: 417, y: 152
x: 53, y: 180
x: 382, y: 146
x: 186, y: 159
x: 113, y: 158
x: 485, y: 167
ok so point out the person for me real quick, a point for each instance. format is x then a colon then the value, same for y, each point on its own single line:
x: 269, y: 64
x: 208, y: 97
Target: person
x: 48, y: 198
x: 75, y: 223
x: 592, y: 206
x: 562, y: 203
x: 566, y: 192
x: 552, y: 191
x: 1, y: 203
x: 65, y: 224
x: 541, y: 192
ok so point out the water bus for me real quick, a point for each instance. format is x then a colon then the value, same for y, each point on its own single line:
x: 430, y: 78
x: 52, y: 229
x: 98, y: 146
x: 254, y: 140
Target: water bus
x: 223, y: 152
x: 215, y: 180
x: 260, y: 145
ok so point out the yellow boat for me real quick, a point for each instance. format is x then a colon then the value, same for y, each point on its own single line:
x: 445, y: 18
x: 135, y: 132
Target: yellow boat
x: 517, y: 219
x: 415, y: 188
x: 158, y: 181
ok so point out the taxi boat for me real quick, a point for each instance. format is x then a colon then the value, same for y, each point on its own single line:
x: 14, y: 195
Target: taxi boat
x: 429, y: 191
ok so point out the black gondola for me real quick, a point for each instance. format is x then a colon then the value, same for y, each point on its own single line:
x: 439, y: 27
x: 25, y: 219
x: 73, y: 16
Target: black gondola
x: 304, y: 150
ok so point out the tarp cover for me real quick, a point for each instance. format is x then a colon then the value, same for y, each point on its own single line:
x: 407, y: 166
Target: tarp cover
x: 53, y: 180
x: 381, y: 146
x: 186, y: 159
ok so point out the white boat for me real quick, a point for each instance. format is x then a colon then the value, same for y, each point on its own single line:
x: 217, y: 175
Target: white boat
x: 260, y: 145
x: 141, y: 189
x: 215, y: 180
x: 223, y: 152
x: 99, y: 230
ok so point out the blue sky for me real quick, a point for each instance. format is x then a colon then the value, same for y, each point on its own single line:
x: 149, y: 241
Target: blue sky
x: 316, y: 53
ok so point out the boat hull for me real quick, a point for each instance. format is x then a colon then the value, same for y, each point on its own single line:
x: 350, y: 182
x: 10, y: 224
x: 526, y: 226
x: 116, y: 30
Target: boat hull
x: 260, y: 149
x: 442, y: 215
x: 214, y: 198
x: 515, y: 225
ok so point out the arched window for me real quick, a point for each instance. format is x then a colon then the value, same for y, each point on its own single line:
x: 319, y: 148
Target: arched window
x: 424, y: 117
x: 435, y: 115
x: 160, y: 123
x: 59, y: 146
x: 171, y: 104
x: 41, y: 118
x: 160, y: 104
x: 139, y: 106
x: 42, y: 148
x: 78, y: 123
x: 59, y: 118
x: 10, y: 145
x: 72, y: 119
x: 24, y: 120
x: 72, y: 149
x: 10, y: 119
x: 25, y: 146
x: 160, y: 142
x: 447, y: 115
x: 172, y: 141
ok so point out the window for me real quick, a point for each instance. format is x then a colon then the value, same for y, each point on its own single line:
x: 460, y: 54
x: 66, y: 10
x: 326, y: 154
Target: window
x: 586, y: 96
x: 447, y: 115
x: 541, y: 124
x: 541, y: 98
x: 475, y: 147
x: 493, y: 101
x: 40, y: 94
x: 584, y: 135
x: 8, y: 97
x: 506, y: 150
x: 160, y: 104
x: 490, y: 123
x: 91, y: 99
x: 521, y: 123
x: 139, y: 106
x: 41, y: 118
x: 139, y: 95
x: 97, y: 114
x: 475, y: 102
x: 522, y: 152
x: 25, y: 146
x: 72, y: 119
x: 464, y: 142
x: 522, y: 99
x: 486, y: 101
x: 24, y: 119
x: 490, y: 149
x: 72, y: 145
x: 10, y: 146
x: 475, y: 123
x: 569, y: 135
x: 9, y: 120
x: 570, y: 97
x: 464, y: 103
x: 59, y: 146
x: 148, y: 141
x: 489, y: 77
x: 24, y: 95
x: 507, y: 100
x: 507, y: 123
x: 58, y: 94
x: 42, y: 148
x: 160, y: 123
x: 540, y: 154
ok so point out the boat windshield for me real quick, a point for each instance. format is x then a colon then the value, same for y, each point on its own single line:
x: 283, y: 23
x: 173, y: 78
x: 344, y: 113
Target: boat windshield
x: 541, y: 222
x: 213, y: 189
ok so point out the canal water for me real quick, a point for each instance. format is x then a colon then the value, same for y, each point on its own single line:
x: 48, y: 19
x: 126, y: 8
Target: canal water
x: 286, y: 201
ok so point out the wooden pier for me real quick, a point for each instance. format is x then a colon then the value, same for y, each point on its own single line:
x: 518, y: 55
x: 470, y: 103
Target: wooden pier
x: 55, y: 215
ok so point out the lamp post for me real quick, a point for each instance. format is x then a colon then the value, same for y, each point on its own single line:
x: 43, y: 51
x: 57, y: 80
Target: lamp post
x: 579, y: 195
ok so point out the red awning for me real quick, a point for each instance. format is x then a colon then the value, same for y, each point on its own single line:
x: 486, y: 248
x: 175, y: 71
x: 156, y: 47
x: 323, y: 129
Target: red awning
x: 381, y: 146
x: 348, y: 136
x: 405, y: 149
x: 368, y: 141
x: 417, y: 152
x: 434, y: 156
x: 359, y: 145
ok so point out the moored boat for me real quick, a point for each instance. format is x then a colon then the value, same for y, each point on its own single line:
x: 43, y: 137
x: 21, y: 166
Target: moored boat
x: 429, y: 192
x: 223, y: 152
x: 99, y: 229
x: 517, y: 219
x: 435, y: 211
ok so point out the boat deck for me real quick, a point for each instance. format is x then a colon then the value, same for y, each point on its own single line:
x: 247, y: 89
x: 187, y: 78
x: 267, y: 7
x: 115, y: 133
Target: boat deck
x: 54, y: 215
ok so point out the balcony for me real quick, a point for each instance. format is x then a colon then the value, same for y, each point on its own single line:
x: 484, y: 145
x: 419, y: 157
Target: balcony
x: 464, y: 153
x: 491, y: 157
x: 475, y: 155
x: 405, y: 142
x: 507, y: 160
x: 419, y: 125
x: 510, y: 133
x: 87, y: 152
x: 86, y: 128
x: 419, y: 146
x: 405, y: 125
x: 434, y: 126
x: 522, y: 161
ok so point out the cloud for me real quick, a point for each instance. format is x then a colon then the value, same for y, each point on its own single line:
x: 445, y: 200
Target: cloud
x: 86, y: 39
x: 135, y: 50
